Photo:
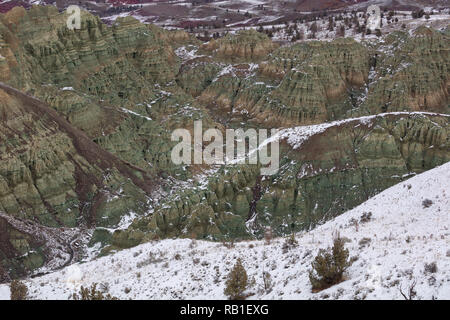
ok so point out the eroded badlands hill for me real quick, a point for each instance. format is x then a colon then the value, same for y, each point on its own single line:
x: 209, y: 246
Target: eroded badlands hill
x: 394, y: 236
x: 86, y: 118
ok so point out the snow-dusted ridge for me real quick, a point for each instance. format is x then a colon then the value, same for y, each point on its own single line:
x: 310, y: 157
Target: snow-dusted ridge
x: 296, y: 136
x: 392, y: 249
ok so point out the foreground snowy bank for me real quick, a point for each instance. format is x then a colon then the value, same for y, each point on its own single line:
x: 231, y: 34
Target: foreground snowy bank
x: 403, y: 229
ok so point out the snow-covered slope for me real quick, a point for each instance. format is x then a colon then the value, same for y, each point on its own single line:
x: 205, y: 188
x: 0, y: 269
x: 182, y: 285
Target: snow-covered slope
x: 393, y: 247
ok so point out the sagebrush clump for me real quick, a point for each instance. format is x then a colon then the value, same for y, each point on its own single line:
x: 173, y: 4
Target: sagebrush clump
x: 289, y: 243
x: 92, y: 294
x: 237, y: 281
x: 430, y: 267
x: 427, y: 203
x: 19, y: 290
x: 329, y: 266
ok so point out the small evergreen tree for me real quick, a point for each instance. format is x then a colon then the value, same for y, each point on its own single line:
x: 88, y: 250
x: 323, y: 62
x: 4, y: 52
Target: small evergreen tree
x: 329, y: 266
x: 92, y: 294
x: 418, y: 14
x: 19, y: 290
x: 341, y: 31
x: 301, y: 34
x: 330, y: 24
x: 236, y: 282
x: 314, y: 27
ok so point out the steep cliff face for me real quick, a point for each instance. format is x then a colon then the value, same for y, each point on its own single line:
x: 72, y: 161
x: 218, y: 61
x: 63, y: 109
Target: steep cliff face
x: 247, y: 45
x: 315, y: 81
x: 302, y: 84
x: 411, y: 73
x: 51, y: 53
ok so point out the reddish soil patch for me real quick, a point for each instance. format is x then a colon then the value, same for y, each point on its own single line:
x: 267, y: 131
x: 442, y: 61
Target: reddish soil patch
x: 6, y: 6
